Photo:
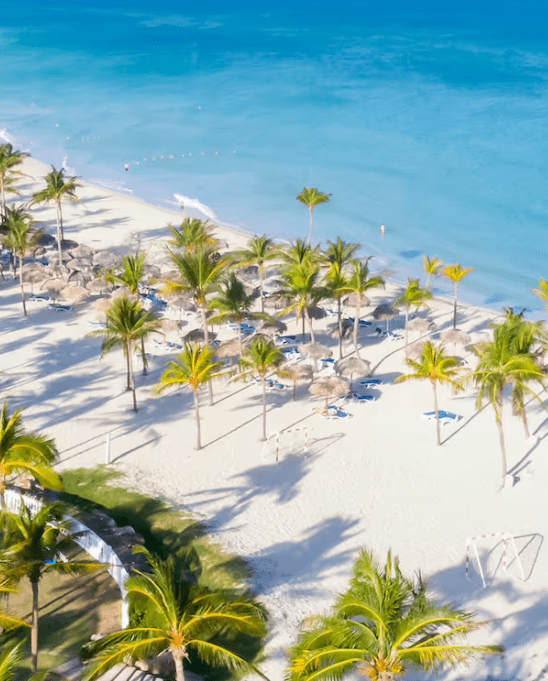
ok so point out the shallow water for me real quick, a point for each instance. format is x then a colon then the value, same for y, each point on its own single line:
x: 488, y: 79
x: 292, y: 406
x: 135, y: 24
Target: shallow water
x: 432, y: 123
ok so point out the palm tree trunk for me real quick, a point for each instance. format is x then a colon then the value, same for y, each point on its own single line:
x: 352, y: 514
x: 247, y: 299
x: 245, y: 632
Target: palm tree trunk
x: 455, y: 308
x: 21, y: 284
x: 406, y: 330
x: 498, y: 417
x: 3, y: 197
x: 198, y: 427
x: 145, y: 372
x: 302, y: 322
x: 128, y: 367
x: 428, y: 276
x: 525, y: 424
x: 261, y: 285
x: 357, y: 328
x: 339, y: 323
x: 59, y: 238
x: 437, y: 413
x: 311, y: 209
x: 134, y: 395
x: 179, y: 671
x: 263, y: 383
x: 309, y: 319
x: 206, y: 340
x: 34, y: 630
x: 60, y: 219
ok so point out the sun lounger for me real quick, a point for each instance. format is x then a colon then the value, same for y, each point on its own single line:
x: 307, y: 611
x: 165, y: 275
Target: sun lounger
x: 371, y: 382
x: 445, y: 416
x: 40, y: 298
x: 334, y: 412
x: 97, y: 325
x: 275, y: 385
x: 327, y: 362
x: 59, y: 308
x: 291, y: 354
x: 363, y: 398
x: 287, y: 340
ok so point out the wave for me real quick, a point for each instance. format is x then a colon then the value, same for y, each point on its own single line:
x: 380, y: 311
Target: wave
x: 113, y: 185
x: 187, y: 202
x: 68, y: 169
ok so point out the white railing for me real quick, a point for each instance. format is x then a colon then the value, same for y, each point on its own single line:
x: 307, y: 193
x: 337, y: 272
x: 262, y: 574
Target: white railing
x: 84, y: 538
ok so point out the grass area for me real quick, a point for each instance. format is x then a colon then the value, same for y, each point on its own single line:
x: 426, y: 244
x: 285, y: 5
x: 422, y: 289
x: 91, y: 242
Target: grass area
x: 167, y: 531
x: 74, y: 608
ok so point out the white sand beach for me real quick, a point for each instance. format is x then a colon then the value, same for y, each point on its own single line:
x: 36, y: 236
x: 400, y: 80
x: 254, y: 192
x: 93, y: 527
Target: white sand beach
x: 375, y: 480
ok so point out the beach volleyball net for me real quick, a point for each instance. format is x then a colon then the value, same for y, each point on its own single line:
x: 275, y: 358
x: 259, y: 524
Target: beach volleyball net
x: 500, y: 552
x: 284, y: 442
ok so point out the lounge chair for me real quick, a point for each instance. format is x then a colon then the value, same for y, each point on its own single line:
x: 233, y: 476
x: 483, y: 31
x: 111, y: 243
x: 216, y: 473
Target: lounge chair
x: 445, y: 416
x: 327, y: 362
x: 275, y: 385
x: 291, y: 354
x: 334, y: 412
x: 59, y: 308
x: 371, y: 382
x: 287, y: 340
x: 40, y: 298
x: 97, y: 325
x: 363, y: 398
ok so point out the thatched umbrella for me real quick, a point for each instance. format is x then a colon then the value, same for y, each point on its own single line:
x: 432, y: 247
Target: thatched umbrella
x: 53, y: 285
x: 316, y: 312
x: 53, y: 257
x: 75, y: 293
x: 76, y: 276
x: 39, y: 250
x: 106, y: 259
x: 384, y: 312
x: 346, y: 327
x: 456, y: 336
x: 352, y: 300
x: 231, y: 348
x: 415, y: 350
x: 34, y: 275
x: 316, y: 351
x: 121, y: 292
x: 273, y: 328
x: 197, y: 336
x: 45, y: 239
x: 421, y: 325
x: 68, y: 244
x: 99, y: 286
x: 295, y: 372
x: 329, y: 386
x: 169, y: 326
x: 101, y: 305
x: 350, y: 366
x: 82, y: 251
x: 79, y: 264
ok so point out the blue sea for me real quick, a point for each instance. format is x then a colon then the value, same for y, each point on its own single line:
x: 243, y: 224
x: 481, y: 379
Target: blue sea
x: 428, y: 118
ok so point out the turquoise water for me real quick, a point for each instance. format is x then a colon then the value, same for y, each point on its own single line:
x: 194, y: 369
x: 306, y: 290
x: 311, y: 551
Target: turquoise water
x: 432, y: 122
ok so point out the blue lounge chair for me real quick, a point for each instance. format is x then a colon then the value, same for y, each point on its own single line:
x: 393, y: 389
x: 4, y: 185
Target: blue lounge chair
x: 59, y: 308
x: 371, y: 382
x: 334, y: 412
x: 275, y: 385
x: 363, y: 398
x: 327, y: 362
x: 40, y: 298
x: 445, y: 416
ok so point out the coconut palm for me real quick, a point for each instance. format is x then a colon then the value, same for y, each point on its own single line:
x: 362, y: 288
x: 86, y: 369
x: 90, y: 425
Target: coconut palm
x: 7, y: 620
x: 194, y: 367
x: 261, y: 358
x: 340, y: 252
x: 193, y: 233
x: 432, y: 267
x: 436, y: 367
x: 456, y: 274
x: 311, y: 197
x: 34, y: 545
x: 127, y: 323
x: 260, y: 250
x: 498, y: 366
x: 232, y: 304
x: 58, y: 187
x: 10, y: 660
x: 9, y: 159
x: 359, y: 283
x: 336, y: 283
x: 300, y: 285
x: 19, y: 235
x: 24, y: 453
x: 170, y: 614
x: 300, y: 252
x: 413, y: 296
x: 383, y: 625
x: 542, y: 293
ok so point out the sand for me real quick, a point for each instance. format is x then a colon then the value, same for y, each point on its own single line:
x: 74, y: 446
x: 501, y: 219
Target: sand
x: 376, y: 480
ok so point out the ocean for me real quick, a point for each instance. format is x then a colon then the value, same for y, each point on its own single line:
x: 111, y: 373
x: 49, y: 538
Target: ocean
x: 430, y: 120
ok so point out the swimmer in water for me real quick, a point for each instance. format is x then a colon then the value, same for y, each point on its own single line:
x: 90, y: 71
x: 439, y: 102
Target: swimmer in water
x: 126, y: 166
x: 382, y: 231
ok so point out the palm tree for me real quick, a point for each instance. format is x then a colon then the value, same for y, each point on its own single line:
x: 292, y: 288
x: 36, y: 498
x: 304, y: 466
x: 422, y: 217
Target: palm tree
x: 340, y: 252
x: 336, y: 283
x: 232, y: 304
x: 456, y: 273
x: 10, y: 659
x: 261, y: 358
x: 413, y: 296
x: 127, y: 324
x: 359, y: 283
x: 311, y: 197
x: 499, y: 366
x: 19, y: 235
x: 432, y: 267
x: 259, y: 251
x: 171, y: 614
x: 25, y: 453
x: 9, y: 159
x: 300, y: 285
x: 35, y: 545
x: 384, y: 624
x: 194, y: 367
x: 7, y: 620
x: 193, y: 233
x: 300, y: 252
x: 542, y: 293
x: 436, y: 367
x: 132, y: 275
x: 57, y: 188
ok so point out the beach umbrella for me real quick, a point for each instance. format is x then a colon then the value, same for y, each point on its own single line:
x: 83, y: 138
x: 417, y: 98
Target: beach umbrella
x: 38, y: 251
x: 82, y: 251
x: 273, y: 328
x: 45, y: 239
x: 53, y: 285
x: 53, y: 257
x: 415, y: 350
x: 316, y: 312
x: 122, y: 292
x: 68, y: 244
x: 352, y: 366
x: 329, y: 386
x: 75, y: 293
x: 101, y: 305
x: 106, y: 259
x: 316, y: 351
x: 456, y: 336
x: 351, y: 300
x: 197, y: 336
x: 346, y: 327
x: 296, y: 373
x: 34, y: 276
x: 153, y: 271
x: 421, y: 325
x: 384, y: 312
x: 231, y: 348
x: 98, y: 286
x: 79, y: 264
